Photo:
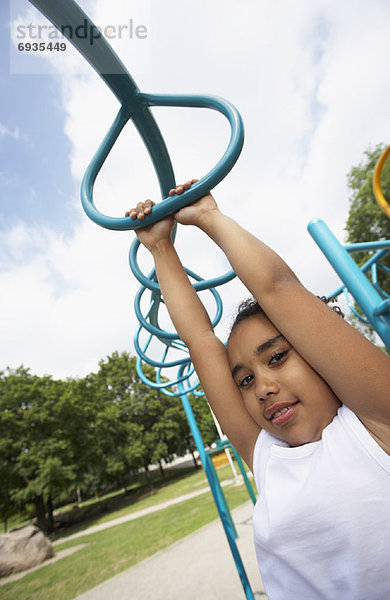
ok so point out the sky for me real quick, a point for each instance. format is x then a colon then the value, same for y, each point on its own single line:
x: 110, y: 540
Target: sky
x: 311, y: 82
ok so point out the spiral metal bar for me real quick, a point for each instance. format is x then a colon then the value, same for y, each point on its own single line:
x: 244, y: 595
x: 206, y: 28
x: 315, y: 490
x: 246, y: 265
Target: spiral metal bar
x: 67, y: 16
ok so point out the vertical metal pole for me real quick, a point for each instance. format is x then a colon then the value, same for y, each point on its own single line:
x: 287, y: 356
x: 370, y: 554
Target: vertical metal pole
x: 221, y: 509
x: 244, y: 475
x: 223, y: 437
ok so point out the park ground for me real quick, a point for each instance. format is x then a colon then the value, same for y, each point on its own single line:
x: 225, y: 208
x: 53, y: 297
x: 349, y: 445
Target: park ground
x: 96, y: 556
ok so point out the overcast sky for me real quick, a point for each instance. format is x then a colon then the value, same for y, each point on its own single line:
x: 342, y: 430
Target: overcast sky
x: 311, y: 81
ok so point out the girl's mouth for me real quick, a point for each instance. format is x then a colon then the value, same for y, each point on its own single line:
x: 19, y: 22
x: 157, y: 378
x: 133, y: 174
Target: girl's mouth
x: 283, y: 416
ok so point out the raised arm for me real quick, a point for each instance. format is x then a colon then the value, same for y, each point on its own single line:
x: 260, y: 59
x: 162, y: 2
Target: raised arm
x: 356, y: 370
x: 193, y: 325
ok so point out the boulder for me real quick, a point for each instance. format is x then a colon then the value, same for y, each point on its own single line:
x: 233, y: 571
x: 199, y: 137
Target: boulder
x: 22, y: 549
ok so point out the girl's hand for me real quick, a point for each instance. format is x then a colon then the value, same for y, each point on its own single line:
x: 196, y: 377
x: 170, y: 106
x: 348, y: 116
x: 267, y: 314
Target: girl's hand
x: 153, y: 234
x: 194, y: 213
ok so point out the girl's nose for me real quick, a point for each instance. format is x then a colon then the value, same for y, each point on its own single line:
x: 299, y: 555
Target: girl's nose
x: 266, y: 387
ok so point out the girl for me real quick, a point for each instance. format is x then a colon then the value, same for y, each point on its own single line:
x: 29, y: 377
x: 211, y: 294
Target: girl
x: 305, y: 399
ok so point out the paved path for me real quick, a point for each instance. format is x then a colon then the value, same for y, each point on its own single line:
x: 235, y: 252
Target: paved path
x: 197, y: 567
x: 137, y: 514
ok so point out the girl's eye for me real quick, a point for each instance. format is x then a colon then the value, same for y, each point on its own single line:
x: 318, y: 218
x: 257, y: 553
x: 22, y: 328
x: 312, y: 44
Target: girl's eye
x: 246, y: 381
x: 278, y: 357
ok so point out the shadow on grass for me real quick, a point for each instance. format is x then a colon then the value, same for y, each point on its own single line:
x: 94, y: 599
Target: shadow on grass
x: 78, y: 518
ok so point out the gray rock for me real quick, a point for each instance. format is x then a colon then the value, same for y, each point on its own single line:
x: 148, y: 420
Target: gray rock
x: 22, y: 549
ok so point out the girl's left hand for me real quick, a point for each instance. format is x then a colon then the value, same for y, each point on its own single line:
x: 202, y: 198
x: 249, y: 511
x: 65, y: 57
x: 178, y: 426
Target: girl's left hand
x: 193, y: 213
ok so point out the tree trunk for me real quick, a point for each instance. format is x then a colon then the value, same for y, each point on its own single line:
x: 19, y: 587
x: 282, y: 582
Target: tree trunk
x: 162, y: 472
x: 78, y: 494
x: 40, y: 513
x: 50, y: 513
x: 194, y: 459
x: 148, y: 477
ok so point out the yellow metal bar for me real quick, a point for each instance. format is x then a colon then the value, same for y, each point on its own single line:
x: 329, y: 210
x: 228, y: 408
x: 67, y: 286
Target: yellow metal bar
x: 379, y: 197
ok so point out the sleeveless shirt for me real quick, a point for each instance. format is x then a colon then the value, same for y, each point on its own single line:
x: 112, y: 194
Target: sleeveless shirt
x: 322, y: 519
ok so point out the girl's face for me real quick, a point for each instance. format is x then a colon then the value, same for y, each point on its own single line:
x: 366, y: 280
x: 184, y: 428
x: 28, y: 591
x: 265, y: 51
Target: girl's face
x: 281, y: 392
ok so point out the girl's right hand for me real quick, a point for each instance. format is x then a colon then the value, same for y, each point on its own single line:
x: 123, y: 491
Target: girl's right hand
x: 193, y: 214
x: 151, y: 235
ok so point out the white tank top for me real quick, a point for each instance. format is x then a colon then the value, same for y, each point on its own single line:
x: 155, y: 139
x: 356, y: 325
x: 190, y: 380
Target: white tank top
x: 322, y: 519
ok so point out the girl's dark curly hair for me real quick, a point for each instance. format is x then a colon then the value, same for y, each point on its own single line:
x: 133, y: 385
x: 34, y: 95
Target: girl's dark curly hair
x: 246, y: 308
x: 250, y: 306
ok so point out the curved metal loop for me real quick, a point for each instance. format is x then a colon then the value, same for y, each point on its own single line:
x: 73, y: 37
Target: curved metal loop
x: 200, y: 394
x: 67, y: 17
x: 155, y: 363
x: 183, y: 378
x: 153, y: 327
x: 149, y: 281
x: 379, y: 197
x: 347, y: 295
x: 149, y: 134
x: 159, y: 384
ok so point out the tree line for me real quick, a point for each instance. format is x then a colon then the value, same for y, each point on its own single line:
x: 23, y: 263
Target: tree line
x: 60, y: 440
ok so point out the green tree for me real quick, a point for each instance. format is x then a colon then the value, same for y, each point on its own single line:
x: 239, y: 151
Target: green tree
x: 44, y: 441
x: 366, y: 221
x: 204, y: 419
x: 76, y: 412
x: 46, y: 461
x: 61, y: 438
x: 137, y: 425
x: 11, y: 436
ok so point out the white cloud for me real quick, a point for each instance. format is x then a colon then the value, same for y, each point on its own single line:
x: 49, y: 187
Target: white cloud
x: 6, y: 131
x: 311, y: 82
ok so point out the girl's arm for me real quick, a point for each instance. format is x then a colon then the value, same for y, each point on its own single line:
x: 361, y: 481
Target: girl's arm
x: 193, y: 325
x: 356, y: 370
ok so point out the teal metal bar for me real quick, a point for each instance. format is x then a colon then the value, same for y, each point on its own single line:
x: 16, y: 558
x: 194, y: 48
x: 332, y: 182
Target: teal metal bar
x: 214, y: 489
x: 244, y: 475
x: 221, y: 494
x: 357, y: 283
x: 227, y: 445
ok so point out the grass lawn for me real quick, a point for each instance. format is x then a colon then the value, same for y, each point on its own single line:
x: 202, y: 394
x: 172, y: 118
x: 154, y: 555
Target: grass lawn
x: 117, y: 548
x: 189, y: 481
